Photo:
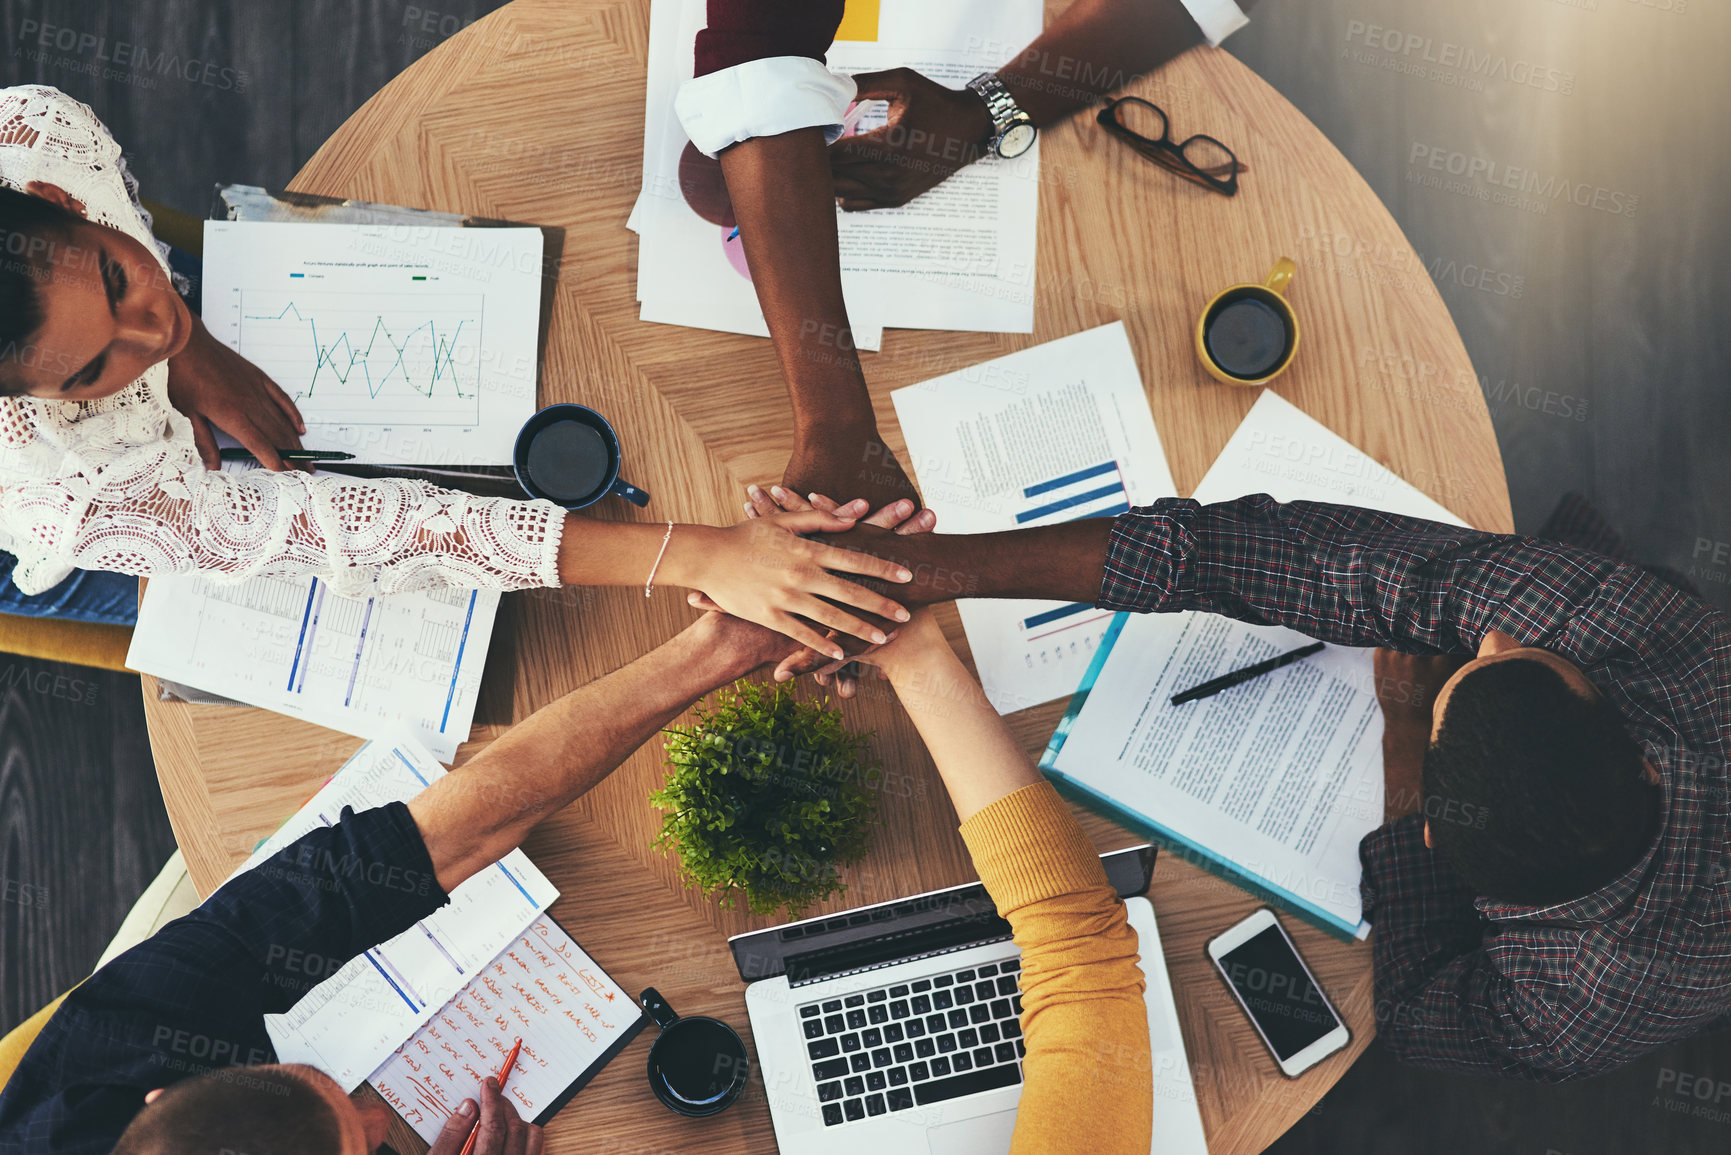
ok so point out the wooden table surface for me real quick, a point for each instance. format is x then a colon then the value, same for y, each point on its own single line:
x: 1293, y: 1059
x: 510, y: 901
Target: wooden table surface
x: 535, y: 113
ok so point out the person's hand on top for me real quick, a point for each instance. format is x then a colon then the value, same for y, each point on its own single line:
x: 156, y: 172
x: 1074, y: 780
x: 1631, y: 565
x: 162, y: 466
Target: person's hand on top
x: 932, y: 132
x: 848, y: 460
x: 766, y: 571
x: 900, y: 517
x: 217, y: 388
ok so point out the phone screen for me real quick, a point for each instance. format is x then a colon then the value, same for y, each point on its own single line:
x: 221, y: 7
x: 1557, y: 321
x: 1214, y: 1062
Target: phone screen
x: 1273, y: 984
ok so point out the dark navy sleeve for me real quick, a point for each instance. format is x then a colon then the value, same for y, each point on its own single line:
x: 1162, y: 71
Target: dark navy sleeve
x: 193, y: 997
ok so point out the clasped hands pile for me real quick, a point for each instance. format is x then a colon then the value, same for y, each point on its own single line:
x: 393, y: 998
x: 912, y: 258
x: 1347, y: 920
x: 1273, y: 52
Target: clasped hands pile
x: 812, y: 619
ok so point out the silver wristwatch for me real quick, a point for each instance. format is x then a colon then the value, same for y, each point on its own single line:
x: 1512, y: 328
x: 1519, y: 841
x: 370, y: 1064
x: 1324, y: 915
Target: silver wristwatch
x: 1013, y: 130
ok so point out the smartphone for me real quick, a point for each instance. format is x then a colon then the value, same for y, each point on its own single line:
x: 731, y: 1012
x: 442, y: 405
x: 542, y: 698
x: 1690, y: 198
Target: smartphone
x: 1262, y: 969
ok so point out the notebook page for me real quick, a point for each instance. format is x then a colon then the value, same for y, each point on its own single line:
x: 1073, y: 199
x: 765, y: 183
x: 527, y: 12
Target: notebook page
x: 544, y: 989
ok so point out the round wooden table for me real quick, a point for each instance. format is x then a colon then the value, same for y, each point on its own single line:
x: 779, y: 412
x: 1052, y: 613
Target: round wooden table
x: 536, y: 114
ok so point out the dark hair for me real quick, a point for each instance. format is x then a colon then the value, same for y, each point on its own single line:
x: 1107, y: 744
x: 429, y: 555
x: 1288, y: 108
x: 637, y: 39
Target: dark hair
x: 1535, y: 793
x: 28, y: 225
x: 258, y: 1110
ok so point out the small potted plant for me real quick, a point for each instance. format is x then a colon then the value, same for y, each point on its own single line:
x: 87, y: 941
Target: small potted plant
x: 767, y: 799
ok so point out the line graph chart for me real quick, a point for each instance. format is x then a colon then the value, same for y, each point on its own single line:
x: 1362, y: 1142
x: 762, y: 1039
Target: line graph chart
x: 352, y: 358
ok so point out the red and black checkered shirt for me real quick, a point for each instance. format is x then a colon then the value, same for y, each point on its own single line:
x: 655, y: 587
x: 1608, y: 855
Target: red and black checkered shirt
x: 1464, y: 983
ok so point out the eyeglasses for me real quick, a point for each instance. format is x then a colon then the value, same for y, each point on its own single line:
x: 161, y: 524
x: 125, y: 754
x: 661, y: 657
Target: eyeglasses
x: 1201, y: 159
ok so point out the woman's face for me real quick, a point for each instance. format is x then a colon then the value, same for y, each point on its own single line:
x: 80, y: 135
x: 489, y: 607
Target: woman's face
x: 109, y: 311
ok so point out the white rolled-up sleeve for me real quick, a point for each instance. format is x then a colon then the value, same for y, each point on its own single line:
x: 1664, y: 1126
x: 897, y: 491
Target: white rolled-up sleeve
x: 1218, y: 19
x: 763, y: 98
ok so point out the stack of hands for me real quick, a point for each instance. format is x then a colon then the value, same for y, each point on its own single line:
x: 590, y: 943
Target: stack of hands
x: 797, y: 647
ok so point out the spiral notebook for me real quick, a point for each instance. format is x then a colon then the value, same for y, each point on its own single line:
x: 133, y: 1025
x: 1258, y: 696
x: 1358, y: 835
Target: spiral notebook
x: 543, y: 988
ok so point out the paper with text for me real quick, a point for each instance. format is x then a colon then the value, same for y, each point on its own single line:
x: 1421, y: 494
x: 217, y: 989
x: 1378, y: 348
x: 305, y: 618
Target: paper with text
x: 353, y: 664
x: 1055, y: 433
x: 1279, y: 778
x: 348, y: 1024
x: 960, y: 257
x: 401, y: 344
x: 544, y: 989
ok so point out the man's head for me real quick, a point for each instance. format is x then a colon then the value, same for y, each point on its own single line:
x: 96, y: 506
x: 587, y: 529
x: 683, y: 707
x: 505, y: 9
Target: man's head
x: 274, y: 1110
x: 84, y: 309
x: 1533, y: 789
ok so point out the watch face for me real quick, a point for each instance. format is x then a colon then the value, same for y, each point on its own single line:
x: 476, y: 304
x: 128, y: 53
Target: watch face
x: 1017, y: 139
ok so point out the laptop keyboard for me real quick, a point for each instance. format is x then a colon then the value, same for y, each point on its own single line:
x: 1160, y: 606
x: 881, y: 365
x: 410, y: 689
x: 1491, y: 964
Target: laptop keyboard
x: 916, y: 1043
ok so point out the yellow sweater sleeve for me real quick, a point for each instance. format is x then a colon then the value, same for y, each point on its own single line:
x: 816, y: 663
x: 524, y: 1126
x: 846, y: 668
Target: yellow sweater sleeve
x: 1088, y: 1086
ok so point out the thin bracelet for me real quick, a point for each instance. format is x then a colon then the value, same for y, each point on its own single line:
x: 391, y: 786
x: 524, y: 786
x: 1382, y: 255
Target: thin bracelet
x: 649, y: 586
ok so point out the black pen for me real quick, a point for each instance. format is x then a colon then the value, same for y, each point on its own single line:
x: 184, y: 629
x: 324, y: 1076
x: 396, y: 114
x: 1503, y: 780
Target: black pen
x: 1237, y: 677
x: 289, y: 455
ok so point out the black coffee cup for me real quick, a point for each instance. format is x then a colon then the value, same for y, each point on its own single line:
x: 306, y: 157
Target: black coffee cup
x: 698, y: 1065
x: 1248, y: 334
x: 569, y: 454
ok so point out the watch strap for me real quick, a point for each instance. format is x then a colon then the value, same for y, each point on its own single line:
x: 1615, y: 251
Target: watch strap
x: 1000, y: 105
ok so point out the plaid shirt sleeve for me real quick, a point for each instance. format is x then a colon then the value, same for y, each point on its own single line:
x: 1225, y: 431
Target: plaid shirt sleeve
x: 1440, y: 1000
x: 1457, y: 990
x: 1357, y: 577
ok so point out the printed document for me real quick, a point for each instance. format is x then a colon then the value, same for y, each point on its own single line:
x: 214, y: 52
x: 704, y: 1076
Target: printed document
x: 1276, y: 779
x: 962, y: 256
x: 352, y: 664
x: 1055, y: 433
x: 350, y: 1023
x: 400, y: 344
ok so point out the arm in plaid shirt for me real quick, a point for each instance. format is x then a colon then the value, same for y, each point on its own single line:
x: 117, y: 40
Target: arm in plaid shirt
x: 1456, y: 991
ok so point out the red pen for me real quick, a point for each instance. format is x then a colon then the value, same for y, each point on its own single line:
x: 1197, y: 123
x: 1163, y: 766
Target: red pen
x: 504, y: 1073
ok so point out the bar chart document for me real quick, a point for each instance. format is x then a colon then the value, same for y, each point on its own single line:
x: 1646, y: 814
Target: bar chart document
x: 544, y: 989
x: 1055, y: 433
x: 350, y: 1023
x: 401, y: 345
x: 352, y: 664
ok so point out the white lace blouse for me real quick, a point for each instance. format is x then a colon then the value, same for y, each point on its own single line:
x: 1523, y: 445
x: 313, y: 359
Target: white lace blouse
x: 117, y: 485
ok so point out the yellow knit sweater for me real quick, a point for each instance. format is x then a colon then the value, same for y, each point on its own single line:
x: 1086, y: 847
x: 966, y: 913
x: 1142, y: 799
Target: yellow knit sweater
x: 1088, y: 1084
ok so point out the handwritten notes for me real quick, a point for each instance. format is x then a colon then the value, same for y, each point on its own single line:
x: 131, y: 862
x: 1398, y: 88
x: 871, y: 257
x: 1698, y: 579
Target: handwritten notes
x: 544, y: 989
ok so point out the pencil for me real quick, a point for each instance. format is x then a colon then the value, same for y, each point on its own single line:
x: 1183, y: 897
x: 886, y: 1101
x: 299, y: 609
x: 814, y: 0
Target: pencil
x: 504, y: 1073
x: 1238, y: 677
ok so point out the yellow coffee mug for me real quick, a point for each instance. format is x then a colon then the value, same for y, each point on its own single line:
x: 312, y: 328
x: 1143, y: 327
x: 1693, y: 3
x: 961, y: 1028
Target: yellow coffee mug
x: 1250, y: 339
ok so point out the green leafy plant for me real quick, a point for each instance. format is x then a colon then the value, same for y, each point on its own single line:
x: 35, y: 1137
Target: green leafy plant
x: 767, y: 799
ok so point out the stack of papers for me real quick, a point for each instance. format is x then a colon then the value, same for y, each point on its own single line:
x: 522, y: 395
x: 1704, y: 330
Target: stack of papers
x: 959, y: 257
x: 351, y: 664
x: 1273, y: 782
x: 1055, y: 433
x: 350, y: 1023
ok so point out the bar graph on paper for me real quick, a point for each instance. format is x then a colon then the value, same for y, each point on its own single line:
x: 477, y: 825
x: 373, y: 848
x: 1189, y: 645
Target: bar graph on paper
x: 369, y: 358
x: 1097, y: 491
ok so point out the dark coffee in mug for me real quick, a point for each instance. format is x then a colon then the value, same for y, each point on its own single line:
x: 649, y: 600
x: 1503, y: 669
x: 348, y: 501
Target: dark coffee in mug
x: 1247, y: 337
x: 698, y: 1066
x: 569, y: 461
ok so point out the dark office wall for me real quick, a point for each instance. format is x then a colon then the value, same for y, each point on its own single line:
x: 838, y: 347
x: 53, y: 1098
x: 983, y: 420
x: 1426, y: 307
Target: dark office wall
x: 201, y: 91
x: 1595, y: 294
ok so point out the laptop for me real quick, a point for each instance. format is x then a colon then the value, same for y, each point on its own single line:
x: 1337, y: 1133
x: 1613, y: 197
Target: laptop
x: 894, y: 1027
